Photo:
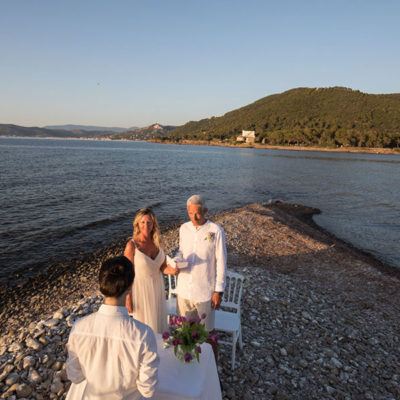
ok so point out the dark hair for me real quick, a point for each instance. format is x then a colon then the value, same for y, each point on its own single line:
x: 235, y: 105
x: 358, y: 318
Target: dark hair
x: 116, y: 275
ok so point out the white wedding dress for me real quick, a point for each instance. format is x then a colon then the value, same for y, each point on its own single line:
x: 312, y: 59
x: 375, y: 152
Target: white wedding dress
x: 148, y: 293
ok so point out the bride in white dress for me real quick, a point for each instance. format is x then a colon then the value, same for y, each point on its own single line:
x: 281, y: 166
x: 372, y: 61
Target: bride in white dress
x: 147, y: 301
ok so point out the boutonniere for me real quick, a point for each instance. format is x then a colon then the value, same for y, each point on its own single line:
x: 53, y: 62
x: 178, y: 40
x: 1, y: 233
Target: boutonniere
x: 210, y: 237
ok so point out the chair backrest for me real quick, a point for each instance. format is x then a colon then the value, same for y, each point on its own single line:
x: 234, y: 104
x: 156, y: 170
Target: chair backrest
x: 233, y: 290
x: 172, y: 281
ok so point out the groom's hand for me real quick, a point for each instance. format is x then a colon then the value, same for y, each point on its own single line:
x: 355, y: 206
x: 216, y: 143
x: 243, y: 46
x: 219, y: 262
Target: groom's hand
x: 216, y: 300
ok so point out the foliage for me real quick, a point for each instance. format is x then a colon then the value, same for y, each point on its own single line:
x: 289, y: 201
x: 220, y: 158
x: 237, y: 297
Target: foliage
x: 326, y: 117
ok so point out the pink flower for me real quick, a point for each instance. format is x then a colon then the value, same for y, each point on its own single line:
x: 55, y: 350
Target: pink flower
x: 210, y: 236
x: 188, y: 357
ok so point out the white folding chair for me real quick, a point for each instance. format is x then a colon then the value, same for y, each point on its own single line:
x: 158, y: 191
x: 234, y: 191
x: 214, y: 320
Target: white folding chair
x: 229, y: 321
x: 171, y: 299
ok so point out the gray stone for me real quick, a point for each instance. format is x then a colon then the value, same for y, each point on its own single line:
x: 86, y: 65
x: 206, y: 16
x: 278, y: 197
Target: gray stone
x: 6, y: 370
x: 15, y: 347
x: 56, y: 386
x: 303, y: 363
x: 58, y: 315
x: 330, y: 389
x: 57, y: 366
x: 50, y: 323
x: 33, y: 343
x: 24, y: 390
x: 336, y: 363
x: 28, y: 361
x: 12, y: 388
x: 12, y: 378
x: 34, y: 377
x: 306, y: 315
x: 230, y: 393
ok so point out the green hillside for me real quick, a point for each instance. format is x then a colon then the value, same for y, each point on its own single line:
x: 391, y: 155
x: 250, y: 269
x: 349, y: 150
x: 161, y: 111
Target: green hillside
x: 329, y: 117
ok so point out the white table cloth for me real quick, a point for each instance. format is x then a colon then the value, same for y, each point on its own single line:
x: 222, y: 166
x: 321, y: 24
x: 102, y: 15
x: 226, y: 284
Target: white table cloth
x: 178, y: 380
x: 187, y: 381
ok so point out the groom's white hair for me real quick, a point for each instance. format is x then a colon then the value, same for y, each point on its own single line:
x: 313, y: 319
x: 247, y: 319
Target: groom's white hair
x: 196, y: 199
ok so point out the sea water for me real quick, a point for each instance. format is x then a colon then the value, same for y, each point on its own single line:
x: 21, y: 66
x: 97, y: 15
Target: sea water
x: 61, y: 198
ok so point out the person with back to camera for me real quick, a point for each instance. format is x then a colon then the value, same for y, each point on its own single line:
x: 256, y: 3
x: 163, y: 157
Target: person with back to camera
x: 147, y: 302
x: 201, y: 285
x: 111, y: 355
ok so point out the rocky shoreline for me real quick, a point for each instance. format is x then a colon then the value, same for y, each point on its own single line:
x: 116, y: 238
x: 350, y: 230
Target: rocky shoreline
x: 320, y: 319
x: 370, y: 150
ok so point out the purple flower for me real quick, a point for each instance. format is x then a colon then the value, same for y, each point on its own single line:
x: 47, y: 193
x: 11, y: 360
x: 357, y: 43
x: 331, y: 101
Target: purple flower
x: 203, y: 316
x: 172, y: 321
x: 199, y: 349
x: 175, y: 342
x: 198, y: 320
x: 165, y: 335
x: 188, y: 357
x: 195, y: 335
x: 213, y: 337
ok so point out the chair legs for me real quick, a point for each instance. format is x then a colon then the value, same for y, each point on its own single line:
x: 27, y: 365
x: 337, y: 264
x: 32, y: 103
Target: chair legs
x: 240, y: 338
x: 236, y: 336
x: 234, y: 340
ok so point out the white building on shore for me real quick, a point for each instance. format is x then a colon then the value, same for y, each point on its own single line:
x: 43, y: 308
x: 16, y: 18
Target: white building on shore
x: 247, y: 136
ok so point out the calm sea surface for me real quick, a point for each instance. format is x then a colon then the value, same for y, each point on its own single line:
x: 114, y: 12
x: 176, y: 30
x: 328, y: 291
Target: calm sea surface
x: 60, y: 198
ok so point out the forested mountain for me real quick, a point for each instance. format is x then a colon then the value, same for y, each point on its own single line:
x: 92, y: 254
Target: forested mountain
x: 329, y: 117
x: 146, y: 133
x: 71, y: 127
x: 16, y: 130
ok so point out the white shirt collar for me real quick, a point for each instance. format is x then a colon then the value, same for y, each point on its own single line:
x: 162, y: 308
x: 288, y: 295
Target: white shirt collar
x: 197, y: 228
x: 106, y: 309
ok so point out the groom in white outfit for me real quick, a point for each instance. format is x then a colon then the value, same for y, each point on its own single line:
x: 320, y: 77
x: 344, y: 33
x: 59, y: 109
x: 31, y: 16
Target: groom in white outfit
x: 202, y: 283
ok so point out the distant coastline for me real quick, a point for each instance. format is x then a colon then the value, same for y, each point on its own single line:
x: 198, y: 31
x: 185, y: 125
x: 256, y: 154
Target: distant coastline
x: 368, y: 150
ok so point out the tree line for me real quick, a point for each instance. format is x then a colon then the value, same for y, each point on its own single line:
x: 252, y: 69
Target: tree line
x: 327, y: 117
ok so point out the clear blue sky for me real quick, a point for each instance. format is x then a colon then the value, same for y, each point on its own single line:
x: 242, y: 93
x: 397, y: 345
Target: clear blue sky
x: 133, y: 63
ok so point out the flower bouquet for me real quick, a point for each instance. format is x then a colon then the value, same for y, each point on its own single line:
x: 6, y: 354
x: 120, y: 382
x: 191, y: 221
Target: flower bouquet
x: 186, y: 335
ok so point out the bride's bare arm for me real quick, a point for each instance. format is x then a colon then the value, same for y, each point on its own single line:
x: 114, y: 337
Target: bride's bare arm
x: 167, y: 269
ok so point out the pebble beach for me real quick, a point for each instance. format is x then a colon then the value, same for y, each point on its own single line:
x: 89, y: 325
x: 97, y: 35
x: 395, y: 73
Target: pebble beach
x: 320, y: 318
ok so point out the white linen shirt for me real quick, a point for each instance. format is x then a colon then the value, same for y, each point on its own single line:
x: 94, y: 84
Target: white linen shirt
x: 204, y: 249
x: 116, y: 354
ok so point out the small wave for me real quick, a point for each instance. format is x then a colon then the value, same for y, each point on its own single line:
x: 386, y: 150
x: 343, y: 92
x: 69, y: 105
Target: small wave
x: 155, y: 205
x: 93, y: 225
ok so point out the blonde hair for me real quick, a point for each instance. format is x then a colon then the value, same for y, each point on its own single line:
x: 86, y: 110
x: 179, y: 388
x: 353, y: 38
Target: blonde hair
x: 155, y: 233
